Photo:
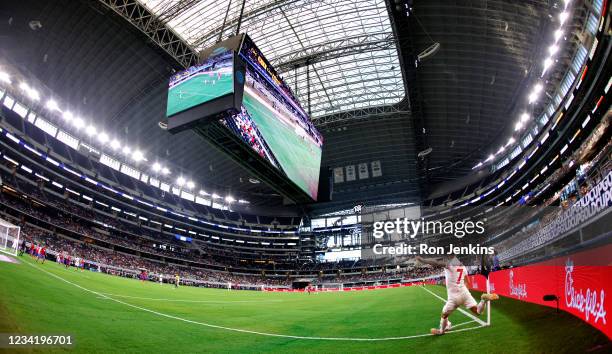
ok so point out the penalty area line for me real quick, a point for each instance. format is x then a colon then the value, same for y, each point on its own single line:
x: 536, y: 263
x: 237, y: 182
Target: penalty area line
x: 238, y: 330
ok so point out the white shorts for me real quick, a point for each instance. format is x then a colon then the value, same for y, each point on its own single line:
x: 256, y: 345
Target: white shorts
x: 457, y: 299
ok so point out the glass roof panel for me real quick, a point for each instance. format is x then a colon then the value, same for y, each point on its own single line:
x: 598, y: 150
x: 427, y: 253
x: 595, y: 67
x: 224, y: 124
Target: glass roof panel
x: 348, y: 44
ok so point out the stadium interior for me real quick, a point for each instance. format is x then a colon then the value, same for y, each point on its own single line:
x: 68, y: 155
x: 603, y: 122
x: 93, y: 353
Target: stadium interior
x: 429, y: 110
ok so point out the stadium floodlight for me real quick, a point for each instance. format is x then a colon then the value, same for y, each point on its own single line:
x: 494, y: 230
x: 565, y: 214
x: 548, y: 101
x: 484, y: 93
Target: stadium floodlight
x: 558, y: 34
x: 518, y: 126
x: 216, y: 196
x: 563, y: 16
x: 203, y: 192
x: 180, y: 181
x: 138, y: 156
x: 156, y: 167
x: 68, y: 117
x: 190, y: 185
x: 510, y: 141
x: 78, y: 123
x: 126, y: 150
x: 52, y: 105
x: 230, y: 199
x: 90, y: 130
x: 491, y: 157
x: 501, y: 149
x: 6, y: 78
x: 165, y: 171
x: 32, y: 93
x: 547, y: 64
x: 553, y: 49
x: 524, y: 117
x: 115, y: 144
x: 103, y: 137
x: 535, y: 93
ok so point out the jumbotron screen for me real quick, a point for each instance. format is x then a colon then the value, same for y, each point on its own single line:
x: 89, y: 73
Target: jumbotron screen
x: 211, y: 79
x: 274, y: 124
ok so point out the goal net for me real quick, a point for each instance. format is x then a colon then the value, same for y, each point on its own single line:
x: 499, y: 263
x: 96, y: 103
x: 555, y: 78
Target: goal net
x: 9, y: 237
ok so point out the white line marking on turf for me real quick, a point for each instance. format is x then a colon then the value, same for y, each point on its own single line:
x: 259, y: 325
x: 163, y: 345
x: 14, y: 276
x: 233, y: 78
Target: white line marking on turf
x: 242, y: 330
x: 195, y: 301
x: 481, y: 322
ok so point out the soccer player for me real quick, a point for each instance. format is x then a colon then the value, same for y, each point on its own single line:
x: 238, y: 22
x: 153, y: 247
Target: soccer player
x: 32, y: 249
x: 457, y: 292
x: 42, y: 254
x: 23, y: 247
x: 177, y: 280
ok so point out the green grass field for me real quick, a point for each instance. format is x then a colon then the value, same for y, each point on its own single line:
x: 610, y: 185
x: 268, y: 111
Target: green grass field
x: 298, y: 158
x: 195, y: 91
x: 112, y: 314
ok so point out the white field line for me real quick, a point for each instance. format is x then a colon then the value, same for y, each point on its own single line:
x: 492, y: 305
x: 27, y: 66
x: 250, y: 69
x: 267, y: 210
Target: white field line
x: 237, y: 329
x: 190, y: 301
x: 481, y: 322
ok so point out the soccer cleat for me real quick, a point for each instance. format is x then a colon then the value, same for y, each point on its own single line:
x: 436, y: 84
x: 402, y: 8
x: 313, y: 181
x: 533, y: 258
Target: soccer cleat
x: 436, y: 332
x: 489, y: 297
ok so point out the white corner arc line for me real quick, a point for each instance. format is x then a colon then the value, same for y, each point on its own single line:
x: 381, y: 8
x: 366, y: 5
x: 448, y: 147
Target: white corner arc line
x: 481, y: 322
x: 243, y: 330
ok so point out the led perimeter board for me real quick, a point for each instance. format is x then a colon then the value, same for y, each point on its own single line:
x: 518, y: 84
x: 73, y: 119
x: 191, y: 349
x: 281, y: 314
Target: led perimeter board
x: 251, y: 115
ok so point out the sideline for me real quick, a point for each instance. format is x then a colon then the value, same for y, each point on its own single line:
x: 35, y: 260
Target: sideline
x: 245, y: 330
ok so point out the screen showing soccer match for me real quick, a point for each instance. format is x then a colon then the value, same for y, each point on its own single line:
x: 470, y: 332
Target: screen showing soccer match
x: 273, y: 123
x: 211, y: 79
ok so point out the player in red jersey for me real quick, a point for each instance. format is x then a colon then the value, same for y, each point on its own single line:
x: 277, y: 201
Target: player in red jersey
x: 32, y: 249
x: 457, y: 292
x: 42, y: 254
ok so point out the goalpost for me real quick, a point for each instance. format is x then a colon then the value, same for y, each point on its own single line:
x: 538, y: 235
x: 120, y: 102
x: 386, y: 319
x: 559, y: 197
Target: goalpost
x: 9, y: 237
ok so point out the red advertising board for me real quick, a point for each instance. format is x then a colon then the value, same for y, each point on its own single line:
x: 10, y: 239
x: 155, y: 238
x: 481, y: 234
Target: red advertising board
x: 580, y: 281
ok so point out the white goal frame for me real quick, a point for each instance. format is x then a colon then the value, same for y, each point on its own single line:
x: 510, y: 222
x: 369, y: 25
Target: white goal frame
x: 9, y: 240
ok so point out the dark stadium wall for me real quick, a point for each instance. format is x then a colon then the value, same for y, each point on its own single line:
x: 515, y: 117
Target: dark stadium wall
x: 388, y: 140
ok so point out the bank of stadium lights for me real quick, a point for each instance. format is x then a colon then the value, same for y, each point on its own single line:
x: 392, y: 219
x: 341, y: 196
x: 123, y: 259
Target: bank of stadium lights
x: 156, y: 167
x: 90, y: 130
x: 539, y: 87
x: 5, y: 77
